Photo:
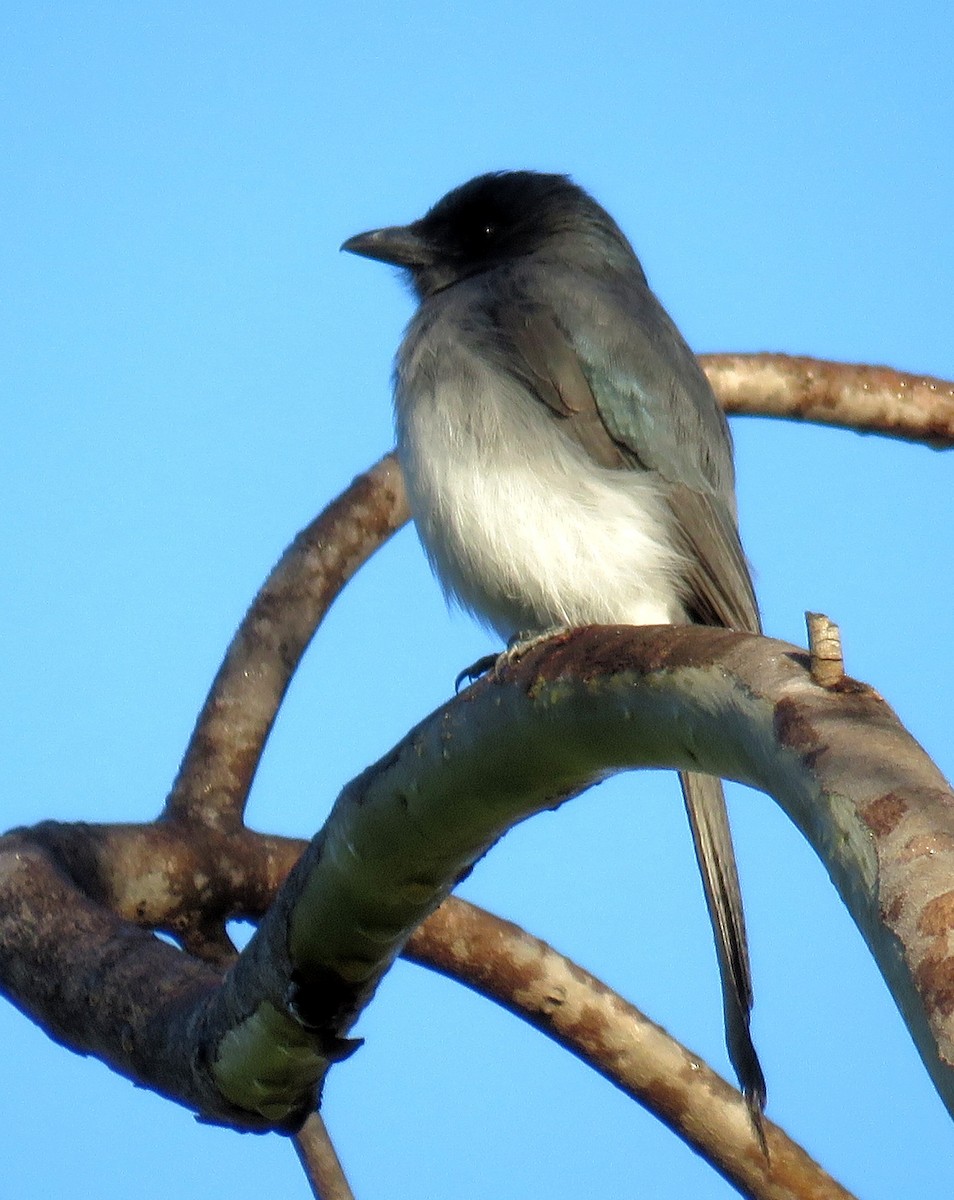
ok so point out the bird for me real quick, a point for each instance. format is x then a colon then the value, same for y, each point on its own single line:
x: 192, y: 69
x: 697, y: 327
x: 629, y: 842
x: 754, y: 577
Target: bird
x: 567, y: 462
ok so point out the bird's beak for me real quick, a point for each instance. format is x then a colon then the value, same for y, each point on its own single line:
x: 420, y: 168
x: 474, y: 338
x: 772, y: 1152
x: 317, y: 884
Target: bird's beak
x: 401, y: 245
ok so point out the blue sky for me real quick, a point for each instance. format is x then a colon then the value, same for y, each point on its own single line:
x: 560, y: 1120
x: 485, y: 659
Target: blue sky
x: 189, y: 369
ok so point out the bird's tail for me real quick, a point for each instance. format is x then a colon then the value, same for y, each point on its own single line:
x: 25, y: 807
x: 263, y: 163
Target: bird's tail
x: 709, y: 821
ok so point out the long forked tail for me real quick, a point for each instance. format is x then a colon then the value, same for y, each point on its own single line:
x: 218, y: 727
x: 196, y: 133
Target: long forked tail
x: 709, y: 821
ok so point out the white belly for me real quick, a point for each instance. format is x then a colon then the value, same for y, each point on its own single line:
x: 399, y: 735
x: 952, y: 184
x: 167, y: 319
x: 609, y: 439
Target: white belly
x: 526, y: 532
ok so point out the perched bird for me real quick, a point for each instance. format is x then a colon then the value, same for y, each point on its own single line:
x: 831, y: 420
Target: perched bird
x: 566, y: 460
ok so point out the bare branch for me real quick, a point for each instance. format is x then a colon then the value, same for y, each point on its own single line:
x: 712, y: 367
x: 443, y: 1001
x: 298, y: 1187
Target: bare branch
x: 320, y: 1161
x: 74, y: 939
x: 97, y: 983
x: 866, y: 796
x: 184, y: 879
x: 402, y: 833
x: 915, y: 408
x: 579, y: 1012
x: 590, y: 701
x: 824, y: 644
x: 223, y: 754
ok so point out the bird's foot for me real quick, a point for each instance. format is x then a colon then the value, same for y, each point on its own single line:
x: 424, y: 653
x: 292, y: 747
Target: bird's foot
x: 517, y: 647
x: 524, y: 641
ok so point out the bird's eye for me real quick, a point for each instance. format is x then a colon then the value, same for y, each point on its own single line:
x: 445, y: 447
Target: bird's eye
x: 487, y: 231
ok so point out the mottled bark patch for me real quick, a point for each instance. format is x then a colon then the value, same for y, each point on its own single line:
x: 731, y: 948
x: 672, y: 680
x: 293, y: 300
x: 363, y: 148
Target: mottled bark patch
x: 883, y: 815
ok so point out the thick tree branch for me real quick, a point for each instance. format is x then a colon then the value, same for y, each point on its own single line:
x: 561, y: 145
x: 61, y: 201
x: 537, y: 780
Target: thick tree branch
x: 183, y: 878
x: 76, y: 940
x: 97, y: 983
x: 592, y: 701
x: 252, y: 1051
x: 916, y: 408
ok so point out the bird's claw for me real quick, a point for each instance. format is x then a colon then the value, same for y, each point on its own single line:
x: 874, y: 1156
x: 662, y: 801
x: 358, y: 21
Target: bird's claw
x: 475, y: 670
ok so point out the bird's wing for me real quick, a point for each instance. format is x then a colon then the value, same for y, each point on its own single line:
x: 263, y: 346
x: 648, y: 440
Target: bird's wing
x: 719, y: 584
x: 648, y: 407
x: 549, y: 368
